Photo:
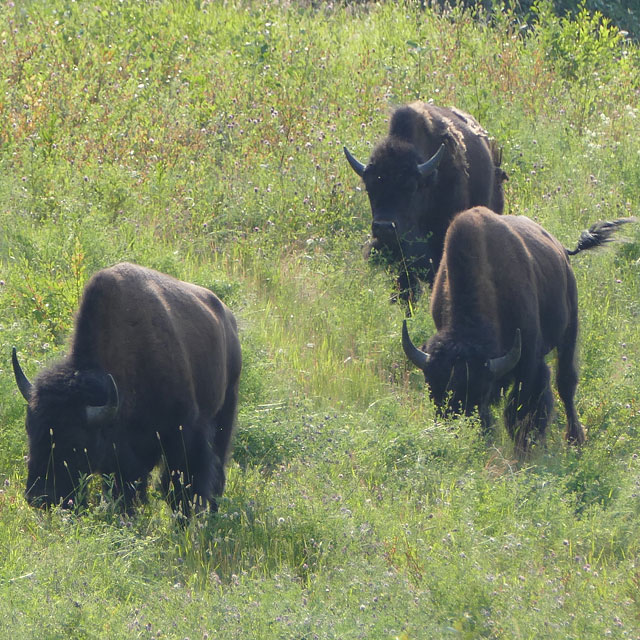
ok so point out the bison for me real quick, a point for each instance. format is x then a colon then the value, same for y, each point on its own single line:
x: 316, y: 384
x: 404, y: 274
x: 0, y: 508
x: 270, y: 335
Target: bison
x: 152, y: 375
x: 505, y: 295
x: 434, y: 163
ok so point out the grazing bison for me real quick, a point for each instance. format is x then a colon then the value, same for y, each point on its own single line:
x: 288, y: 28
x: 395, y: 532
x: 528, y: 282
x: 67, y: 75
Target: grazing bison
x: 152, y: 376
x: 434, y: 163
x: 504, y: 296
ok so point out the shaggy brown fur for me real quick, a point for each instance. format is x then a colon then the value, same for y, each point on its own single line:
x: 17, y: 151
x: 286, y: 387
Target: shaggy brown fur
x: 172, y: 349
x: 411, y: 212
x: 502, y: 280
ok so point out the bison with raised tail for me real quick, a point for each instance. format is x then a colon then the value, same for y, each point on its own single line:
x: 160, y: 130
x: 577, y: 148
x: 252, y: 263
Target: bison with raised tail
x: 434, y: 163
x: 504, y: 296
x: 152, y: 375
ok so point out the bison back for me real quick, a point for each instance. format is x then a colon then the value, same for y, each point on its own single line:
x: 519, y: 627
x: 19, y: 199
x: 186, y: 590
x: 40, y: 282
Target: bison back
x: 170, y: 345
x: 510, y: 271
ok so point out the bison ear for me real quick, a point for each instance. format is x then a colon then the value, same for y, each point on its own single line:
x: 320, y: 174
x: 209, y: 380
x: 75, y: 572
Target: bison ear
x: 21, y: 380
x: 431, y: 165
x: 417, y: 357
x: 356, y: 165
x: 107, y: 412
x: 502, y: 365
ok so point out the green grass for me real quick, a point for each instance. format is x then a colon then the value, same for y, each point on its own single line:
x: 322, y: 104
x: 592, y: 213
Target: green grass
x: 205, y: 140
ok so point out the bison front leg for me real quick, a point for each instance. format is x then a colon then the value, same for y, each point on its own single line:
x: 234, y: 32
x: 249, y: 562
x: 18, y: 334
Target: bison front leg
x: 125, y: 494
x: 486, y: 419
x: 528, y: 409
x: 409, y: 288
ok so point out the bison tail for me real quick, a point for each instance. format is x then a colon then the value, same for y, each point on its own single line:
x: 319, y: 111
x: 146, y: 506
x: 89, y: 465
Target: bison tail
x: 598, y: 234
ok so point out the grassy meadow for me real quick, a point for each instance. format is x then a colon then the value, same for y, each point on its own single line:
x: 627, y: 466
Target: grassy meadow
x: 204, y: 139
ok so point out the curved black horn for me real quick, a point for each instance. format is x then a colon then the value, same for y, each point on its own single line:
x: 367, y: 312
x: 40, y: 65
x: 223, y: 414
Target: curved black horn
x: 21, y: 380
x: 428, y: 167
x: 419, y: 358
x: 356, y: 165
x: 502, y: 365
x: 99, y: 415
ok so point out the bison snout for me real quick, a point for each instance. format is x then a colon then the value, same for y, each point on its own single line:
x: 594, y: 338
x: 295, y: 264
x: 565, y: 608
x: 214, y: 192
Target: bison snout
x: 383, y: 230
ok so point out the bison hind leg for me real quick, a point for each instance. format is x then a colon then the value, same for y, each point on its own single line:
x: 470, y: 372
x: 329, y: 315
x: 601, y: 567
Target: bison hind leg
x: 225, y: 421
x: 206, y: 475
x: 189, y: 480
x: 567, y: 382
x: 195, y: 458
x: 194, y: 473
x: 181, y: 481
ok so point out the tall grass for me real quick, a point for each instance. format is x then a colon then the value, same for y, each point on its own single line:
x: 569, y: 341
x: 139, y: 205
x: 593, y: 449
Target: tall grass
x: 205, y: 140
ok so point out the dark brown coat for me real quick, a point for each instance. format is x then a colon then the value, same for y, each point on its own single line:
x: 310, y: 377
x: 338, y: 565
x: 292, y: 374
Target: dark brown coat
x: 172, y: 349
x: 505, y: 296
x: 434, y: 163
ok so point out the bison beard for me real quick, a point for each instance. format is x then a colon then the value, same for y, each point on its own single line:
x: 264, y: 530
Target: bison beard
x: 433, y: 163
x: 505, y: 295
x: 152, y: 376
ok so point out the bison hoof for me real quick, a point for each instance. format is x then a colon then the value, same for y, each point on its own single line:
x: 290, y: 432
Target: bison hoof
x: 576, y: 435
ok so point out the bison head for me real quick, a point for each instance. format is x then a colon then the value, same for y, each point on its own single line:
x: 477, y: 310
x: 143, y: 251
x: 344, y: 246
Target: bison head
x: 66, y: 411
x: 459, y: 377
x: 397, y: 183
